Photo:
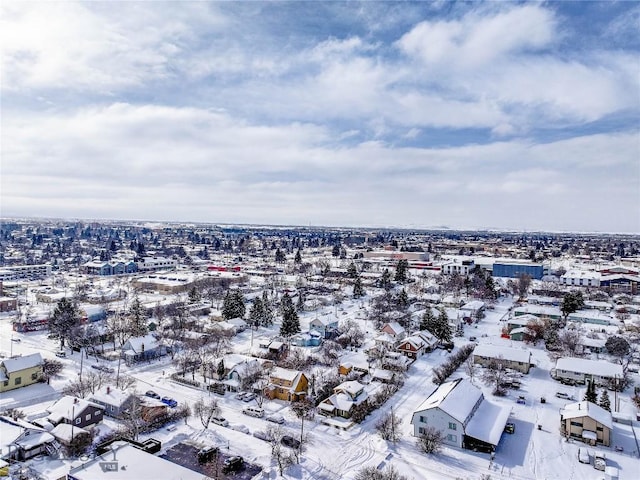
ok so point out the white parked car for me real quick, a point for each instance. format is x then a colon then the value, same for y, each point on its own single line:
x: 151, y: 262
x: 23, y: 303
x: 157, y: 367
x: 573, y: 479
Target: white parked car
x: 275, y: 418
x: 238, y: 427
x: 223, y: 422
x: 583, y: 455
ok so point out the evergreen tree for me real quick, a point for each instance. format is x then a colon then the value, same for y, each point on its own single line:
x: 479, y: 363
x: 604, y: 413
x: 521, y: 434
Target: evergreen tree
x: 194, y: 295
x: 385, y: 280
x: 138, y: 326
x: 280, y: 257
x: 65, y: 316
x: 256, y: 314
x: 571, y: 302
x: 403, y: 300
x: 402, y: 269
x: 268, y: 315
x: 605, y: 402
x: 290, y: 321
x: 591, y: 395
x: 428, y: 321
x: 220, y: 369
x: 443, y: 329
x: 352, y: 271
x: 233, y: 305
x: 358, y: 291
x: 335, y: 251
x: 298, y: 257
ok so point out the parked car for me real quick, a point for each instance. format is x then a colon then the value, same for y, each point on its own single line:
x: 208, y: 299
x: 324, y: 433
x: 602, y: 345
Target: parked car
x: 521, y: 400
x: 240, y: 395
x: 207, y: 454
x: 563, y: 395
x: 169, y: 401
x: 510, y: 427
x: 289, y: 441
x: 152, y: 394
x: 238, y: 427
x: 61, y: 354
x: 599, y: 461
x: 583, y: 455
x: 232, y: 464
x: 253, y: 411
x: 275, y: 418
x: 249, y: 396
x: 472, y: 339
x: 223, y: 422
x: 262, y: 435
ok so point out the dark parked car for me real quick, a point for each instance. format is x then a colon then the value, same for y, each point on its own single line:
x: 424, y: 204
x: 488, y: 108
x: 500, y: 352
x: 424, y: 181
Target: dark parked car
x: 232, y: 464
x: 510, y: 427
x: 207, y: 454
x: 152, y: 394
x: 289, y: 441
x: 169, y: 401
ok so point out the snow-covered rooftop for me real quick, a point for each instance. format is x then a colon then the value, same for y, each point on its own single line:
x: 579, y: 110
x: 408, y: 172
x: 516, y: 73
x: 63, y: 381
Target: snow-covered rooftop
x: 499, y: 351
x: 581, y: 409
x: 456, y: 398
x: 487, y: 423
x: 601, y: 368
x: 17, y: 364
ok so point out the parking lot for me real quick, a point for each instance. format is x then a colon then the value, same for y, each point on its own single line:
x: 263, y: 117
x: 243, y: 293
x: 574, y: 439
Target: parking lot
x: 187, y: 456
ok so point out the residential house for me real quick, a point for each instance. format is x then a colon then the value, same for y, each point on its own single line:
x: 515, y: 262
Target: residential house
x: 473, y: 309
x: 21, y: 440
x: 580, y: 370
x: 115, y: 402
x: 515, y: 358
x: 151, y: 409
x: 138, y: 349
x: 417, y: 344
x: 459, y: 410
x: 285, y: 384
x: 20, y: 372
x: 395, y: 330
x: 326, y: 325
x: 75, y: 411
x: 586, y: 422
x: 345, y: 397
x: 540, y: 311
x: 239, y: 370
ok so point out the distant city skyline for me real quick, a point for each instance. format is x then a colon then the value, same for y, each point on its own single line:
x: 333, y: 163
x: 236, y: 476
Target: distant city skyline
x: 499, y: 115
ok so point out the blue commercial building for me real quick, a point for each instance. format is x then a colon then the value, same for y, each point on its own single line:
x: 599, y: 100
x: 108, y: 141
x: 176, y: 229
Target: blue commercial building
x: 514, y: 270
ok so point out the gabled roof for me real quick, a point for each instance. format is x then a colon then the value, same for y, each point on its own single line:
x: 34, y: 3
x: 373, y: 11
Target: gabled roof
x: 111, y: 396
x: 500, y: 351
x: 587, y: 409
x: 456, y: 398
x: 18, y: 364
x: 69, y: 408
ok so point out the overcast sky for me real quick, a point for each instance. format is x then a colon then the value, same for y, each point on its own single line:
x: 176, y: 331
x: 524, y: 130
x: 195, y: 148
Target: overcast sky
x: 500, y: 115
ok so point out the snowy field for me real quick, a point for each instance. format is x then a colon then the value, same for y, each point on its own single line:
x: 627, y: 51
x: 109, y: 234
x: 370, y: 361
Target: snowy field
x: 535, y: 451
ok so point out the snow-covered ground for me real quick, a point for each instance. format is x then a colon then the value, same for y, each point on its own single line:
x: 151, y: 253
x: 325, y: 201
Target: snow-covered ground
x: 529, y: 453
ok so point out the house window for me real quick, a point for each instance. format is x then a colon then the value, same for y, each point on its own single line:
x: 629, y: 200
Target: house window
x: 423, y: 419
x: 97, y: 413
x: 422, y: 430
x: 88, y: 417
x: 5, y: 383
x: 18, y: 381
x: 77, y: 421
x: 34, y: 376
x: 452, y: 426
x: 576, y: 424
x: 599, y: 429
x: 452, y: 438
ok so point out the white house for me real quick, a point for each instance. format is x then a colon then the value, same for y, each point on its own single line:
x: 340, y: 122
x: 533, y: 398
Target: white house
x: 459, y: 410
x: 580, y: 370
x: 515, y: 358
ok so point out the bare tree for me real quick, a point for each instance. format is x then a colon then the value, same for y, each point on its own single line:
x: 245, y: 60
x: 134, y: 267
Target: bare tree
x: 372, y: 473
x: 495, y: 375
x: 51, y: 369
x: 430, y: 440
x: 206, y: 410
x: 283, y: 457
x: 570, y: 340
x: 470, y: 368
x: 132, y: 418
x: 388, y: 426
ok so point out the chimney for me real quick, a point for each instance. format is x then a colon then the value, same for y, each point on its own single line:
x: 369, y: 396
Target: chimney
x: 75, y: 400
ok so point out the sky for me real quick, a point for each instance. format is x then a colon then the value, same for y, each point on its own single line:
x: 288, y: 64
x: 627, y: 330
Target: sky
x: 470, y: 115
